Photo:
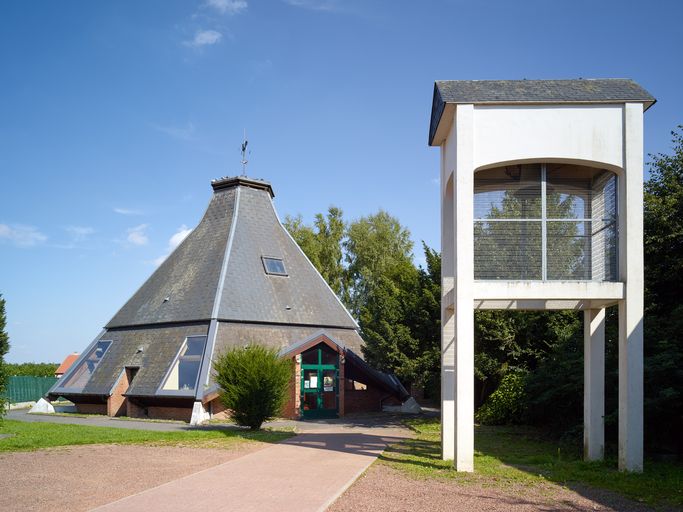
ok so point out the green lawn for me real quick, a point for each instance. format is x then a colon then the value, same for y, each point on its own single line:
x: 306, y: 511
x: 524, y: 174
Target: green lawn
x: 518, y: 456
x: 35, y: 436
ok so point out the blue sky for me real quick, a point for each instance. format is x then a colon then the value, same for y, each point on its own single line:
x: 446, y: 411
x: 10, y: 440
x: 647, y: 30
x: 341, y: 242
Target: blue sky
x: 115, y: 116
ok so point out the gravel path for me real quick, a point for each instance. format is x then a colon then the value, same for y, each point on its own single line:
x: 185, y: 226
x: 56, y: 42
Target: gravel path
x: 80, y: 478
x: 385, y: 489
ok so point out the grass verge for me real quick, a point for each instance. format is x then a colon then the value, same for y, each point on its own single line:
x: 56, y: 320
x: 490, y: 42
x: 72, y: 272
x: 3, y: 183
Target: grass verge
x: 35, y: 436
x: 518, y: 456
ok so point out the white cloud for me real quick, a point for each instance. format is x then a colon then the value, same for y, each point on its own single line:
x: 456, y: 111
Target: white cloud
x: 173, y: 242
x: 127, y: 211
x: 21, y: 236
x: 137, y: 236
x: 79, y: 233
x: 228, y: 6
x: 204, y: 38
x: 315, y: 5
x: 177, y: 132
x: 178, y: 237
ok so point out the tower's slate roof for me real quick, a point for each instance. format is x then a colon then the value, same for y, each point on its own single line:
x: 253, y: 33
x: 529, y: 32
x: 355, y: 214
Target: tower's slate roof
x: 604, y: 90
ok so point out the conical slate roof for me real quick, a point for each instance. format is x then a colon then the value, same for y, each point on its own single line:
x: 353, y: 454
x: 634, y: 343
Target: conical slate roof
x: 218, y: 271
x: 213, y: 286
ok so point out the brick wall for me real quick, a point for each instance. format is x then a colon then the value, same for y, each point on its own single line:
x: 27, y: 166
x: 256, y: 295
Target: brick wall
x: 367, y: 400
x: 91, y: 408
x: 169, y: 413
x: 291, y: 408
x: 116, y: 403
x: 134, y: 410
x: 218, y: 410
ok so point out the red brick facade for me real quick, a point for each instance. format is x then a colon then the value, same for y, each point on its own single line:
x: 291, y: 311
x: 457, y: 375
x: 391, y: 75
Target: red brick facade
x: 91, y: 408
x: 117, y: 403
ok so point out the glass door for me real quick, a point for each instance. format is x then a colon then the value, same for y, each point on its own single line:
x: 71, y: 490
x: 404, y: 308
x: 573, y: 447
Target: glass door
x: 319, y: 383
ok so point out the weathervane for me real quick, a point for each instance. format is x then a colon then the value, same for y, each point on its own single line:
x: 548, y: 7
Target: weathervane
x: 244, y: 154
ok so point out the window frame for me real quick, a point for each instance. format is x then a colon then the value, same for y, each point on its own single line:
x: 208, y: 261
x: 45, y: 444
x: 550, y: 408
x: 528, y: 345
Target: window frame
x: 544, y: 219
x: 264, y: 260
x: 79, y: 364
x: 176, y: 361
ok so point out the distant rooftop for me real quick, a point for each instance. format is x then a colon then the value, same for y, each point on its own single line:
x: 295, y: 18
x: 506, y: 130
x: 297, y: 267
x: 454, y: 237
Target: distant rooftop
x: 602, y: 90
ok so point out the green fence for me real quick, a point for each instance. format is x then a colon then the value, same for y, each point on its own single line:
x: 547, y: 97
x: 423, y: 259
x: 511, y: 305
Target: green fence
x: 28, y: 389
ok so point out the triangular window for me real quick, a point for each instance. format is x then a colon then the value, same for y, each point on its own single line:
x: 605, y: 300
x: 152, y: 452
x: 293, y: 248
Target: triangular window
x: 185, y: 371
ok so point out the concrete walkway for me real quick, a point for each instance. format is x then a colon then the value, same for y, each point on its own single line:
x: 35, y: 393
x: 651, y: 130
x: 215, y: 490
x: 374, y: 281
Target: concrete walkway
x: 304, y: 473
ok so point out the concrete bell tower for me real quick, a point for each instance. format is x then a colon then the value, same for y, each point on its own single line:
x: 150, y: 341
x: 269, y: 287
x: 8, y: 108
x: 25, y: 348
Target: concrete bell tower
x: 542, y: 209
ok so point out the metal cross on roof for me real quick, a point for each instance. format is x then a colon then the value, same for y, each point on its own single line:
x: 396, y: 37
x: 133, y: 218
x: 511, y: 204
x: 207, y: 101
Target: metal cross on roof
x: 245, y: 143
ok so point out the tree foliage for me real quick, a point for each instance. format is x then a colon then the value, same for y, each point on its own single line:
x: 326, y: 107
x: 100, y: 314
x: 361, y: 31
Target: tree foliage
x: 254, y: 383
x: 322, y: 243
x: 4, y: 349
x: 32, y: 369
x: 369, y: 264
x: 664, y: 307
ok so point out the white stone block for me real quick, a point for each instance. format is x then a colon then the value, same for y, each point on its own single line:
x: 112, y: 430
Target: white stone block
x: 42, y: 406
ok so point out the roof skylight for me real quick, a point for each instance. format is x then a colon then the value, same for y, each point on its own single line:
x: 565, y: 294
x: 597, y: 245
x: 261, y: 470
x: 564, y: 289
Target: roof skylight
x: 274, y: 266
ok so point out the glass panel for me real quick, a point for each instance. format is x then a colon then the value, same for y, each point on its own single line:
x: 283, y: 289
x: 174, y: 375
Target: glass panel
x: 511, y: 192
x: 569, y: 191
x: 187, y: 373
x: 329, y: 389
x: 507, y: 250
x: 85, y: 369
x: 604, y: 250
x: 509, y: 220
x: 183, y: 376
x: 274, y: 266
x: 195, y: 346
x: 310, y: 401
x: 569, y: 250
x: 311, y: 380
x: 329, y: 356
x: 310, y: 357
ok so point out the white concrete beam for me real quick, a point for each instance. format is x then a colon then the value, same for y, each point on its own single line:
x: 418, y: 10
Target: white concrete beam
x: 594, y: 384
x: 548, y: 290
x: 463, y: 289
x: 447, y: 318
x: 631, y: 309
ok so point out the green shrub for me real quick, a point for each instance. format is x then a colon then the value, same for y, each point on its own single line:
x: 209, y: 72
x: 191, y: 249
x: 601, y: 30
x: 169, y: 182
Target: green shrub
x: 506, y: 404
x: 254, y: 382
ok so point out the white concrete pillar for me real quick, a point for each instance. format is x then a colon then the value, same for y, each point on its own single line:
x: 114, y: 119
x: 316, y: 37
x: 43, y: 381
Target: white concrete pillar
x: 464, y: 288
x: 447, y: 319
x: 631, y: 309
x: 594, y: 384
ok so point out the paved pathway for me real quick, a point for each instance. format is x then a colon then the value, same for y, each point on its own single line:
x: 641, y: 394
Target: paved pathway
x: 304, y: 473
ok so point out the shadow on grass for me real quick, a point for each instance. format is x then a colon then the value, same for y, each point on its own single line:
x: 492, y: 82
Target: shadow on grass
x: 520, y: 455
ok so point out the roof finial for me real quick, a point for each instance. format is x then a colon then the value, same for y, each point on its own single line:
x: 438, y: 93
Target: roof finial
x: 245, y: 143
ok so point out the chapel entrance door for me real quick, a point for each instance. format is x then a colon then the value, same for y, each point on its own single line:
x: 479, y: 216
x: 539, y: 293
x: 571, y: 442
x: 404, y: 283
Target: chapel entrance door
x: 319, y: 383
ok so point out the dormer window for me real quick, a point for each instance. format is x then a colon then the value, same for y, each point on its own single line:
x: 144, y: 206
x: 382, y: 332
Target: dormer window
x: 274, y: 266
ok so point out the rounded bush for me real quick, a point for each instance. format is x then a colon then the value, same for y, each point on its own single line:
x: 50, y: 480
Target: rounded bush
x: 253, y: 383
